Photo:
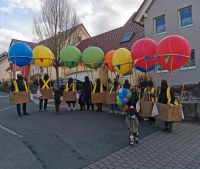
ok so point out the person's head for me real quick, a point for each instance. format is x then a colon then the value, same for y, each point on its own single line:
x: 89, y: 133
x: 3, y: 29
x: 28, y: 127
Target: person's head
x: 86, y: 78
x: 115, y: 82
x: 164, y: 85
x: 70, y: 80
x: 98, y: 81
x: 150, y: 83
x: 131, y: 110
x: 19, y: 77
x: 46, y: 76
x: 126, y: 81
x: 109, y: 80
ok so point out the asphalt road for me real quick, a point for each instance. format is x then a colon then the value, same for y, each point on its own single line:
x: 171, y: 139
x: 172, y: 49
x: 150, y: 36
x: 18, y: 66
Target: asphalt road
x: 71, y: 140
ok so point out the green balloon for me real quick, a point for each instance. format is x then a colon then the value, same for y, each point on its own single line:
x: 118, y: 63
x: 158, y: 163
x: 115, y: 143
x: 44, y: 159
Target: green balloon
x: 129, y: 95
x: 70, y: 56
x: 119, y: 103
x: 92, y: 57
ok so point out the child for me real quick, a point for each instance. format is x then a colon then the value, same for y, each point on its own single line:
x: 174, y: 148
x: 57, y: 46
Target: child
x: 81, y: 100
x: 57, y: 100
x: 133, y: 125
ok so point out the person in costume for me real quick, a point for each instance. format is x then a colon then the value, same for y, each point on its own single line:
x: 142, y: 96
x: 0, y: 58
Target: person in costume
x: 166, y: 96
x: 45, y: 83
x: 98, y: 88
x: 114, y: 88
x: 70, y: 86
x: 87, y: 88
x: 19, y: 85
x: 149, y: 94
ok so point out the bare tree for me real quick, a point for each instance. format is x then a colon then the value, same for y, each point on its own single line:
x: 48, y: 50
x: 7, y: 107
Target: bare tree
x: 55, y: 27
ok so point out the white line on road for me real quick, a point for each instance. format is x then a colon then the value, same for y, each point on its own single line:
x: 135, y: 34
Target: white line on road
x: 3, y: 96
x: 6, y: 108
x: 10, y: 131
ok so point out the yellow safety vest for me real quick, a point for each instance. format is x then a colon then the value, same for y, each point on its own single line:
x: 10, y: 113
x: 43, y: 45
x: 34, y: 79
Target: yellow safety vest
x: 101, y: 88
x: 113, y: 87
x: 16, y: 86
x: 67, y: 87
x: 151, y: 92
x: 45, y: 83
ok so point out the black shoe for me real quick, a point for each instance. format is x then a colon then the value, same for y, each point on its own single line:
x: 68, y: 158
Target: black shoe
x: 20, y: 115
x: 169, y: 130
x: 26, y: 113
x: 165, y: 129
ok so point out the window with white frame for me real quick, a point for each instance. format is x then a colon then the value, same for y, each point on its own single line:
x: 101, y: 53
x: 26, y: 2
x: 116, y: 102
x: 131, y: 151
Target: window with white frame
x: 159, y: 24
x: 191, y: 63
x: 185, y: 16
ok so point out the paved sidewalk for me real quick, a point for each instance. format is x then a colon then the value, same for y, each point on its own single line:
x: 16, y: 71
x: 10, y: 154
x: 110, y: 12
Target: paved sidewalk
x: 178, y: 150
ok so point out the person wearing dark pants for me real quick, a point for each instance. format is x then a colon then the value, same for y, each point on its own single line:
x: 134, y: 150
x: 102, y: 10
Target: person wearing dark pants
x: 87, y: 89
x: 19, y: 85
x: 166, y: 96
x: 41, y: 104
x: 23, y: 108
x: 44, y: 83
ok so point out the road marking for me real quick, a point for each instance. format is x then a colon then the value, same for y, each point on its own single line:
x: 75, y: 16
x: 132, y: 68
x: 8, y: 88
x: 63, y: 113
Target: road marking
x: 3, y: 96
x: 6, y: 108
x: 10, y: 131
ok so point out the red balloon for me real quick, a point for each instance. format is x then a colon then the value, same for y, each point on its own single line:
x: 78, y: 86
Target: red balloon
x: 143, y: 53
x: 173, y: 52
x: 108, y: 60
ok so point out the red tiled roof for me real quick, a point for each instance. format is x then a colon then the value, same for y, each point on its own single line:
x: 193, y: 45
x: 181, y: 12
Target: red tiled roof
x: 111, y: 40
x: 31, y: 44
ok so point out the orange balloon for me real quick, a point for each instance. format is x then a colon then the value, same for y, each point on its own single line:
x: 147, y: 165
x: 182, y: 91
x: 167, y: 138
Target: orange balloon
x: 108, y: 60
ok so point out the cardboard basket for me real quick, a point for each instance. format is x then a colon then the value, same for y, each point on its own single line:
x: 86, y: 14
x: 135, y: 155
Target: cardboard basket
x: 46, y: 94
x: 20, y: 97
x: 98, y: 98
x: 145, y: 108
x: 111, y: 98
x: 168, y: 112
x: 69, y: 96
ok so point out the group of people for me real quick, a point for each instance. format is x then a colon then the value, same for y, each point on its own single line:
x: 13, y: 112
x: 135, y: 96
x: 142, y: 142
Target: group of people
x: 144, y: 90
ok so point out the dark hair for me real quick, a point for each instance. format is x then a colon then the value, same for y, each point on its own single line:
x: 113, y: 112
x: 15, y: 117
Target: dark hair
x: 46, y: 76
x: 70, y: 80
x: 86, y: 78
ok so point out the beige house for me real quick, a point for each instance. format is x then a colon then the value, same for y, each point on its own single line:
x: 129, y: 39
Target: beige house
x: 5, y: 74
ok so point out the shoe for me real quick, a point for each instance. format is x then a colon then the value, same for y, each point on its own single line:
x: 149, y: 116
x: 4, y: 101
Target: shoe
x: 19, y: 115
x: 74, y: 109
x: 110, y: 112
x: 131, y: 140
x: 169, y: 130
x: 136, y: 140
x: 165, y: 129
x: 26, y: 113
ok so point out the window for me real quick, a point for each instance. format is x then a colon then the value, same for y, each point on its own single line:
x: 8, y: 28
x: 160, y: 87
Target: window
x: 185, y: 16
x: 159, y: 24
x: 191, y: 63
x: 127, y: 37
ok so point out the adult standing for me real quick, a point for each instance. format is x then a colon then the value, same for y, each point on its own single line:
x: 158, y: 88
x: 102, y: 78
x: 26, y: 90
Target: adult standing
x: 166, y: 96
x: 45, y: 83
x: 87, y: 88
x: 19, y: 85
x: 70, y: 86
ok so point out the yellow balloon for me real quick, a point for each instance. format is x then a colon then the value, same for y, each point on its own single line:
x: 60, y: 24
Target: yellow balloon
x: 122, y: 61
x: 42, y: 56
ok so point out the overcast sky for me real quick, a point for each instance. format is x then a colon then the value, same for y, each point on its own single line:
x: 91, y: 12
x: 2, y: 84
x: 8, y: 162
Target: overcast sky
x: 97, y: 16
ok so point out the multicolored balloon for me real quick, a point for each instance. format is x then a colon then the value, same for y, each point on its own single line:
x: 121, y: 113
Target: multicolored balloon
x: 108, y: 60
x: 20, y: 54
x: 143, y: 53
x: 92, y: 57
x: 43, y: 57
x: 122, y: 61
x: 173, y: 52
x: 70, y: 56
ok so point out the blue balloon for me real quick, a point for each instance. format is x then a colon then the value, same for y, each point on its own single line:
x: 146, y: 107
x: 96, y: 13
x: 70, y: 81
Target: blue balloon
x: 124, y: 91
x: 20, y: 54
x: 120, y: 96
